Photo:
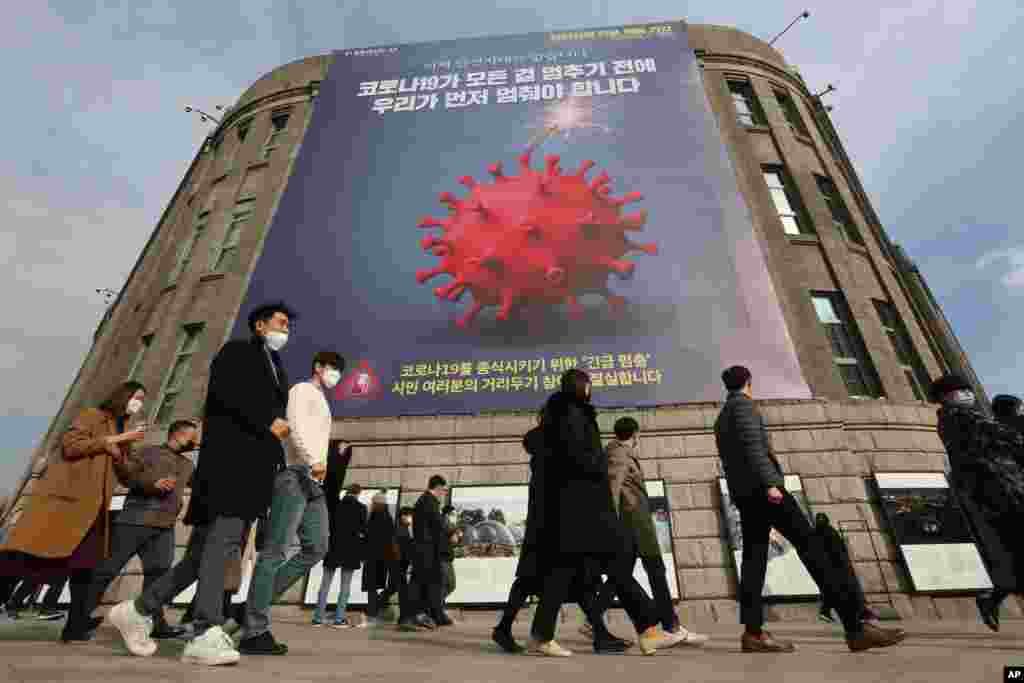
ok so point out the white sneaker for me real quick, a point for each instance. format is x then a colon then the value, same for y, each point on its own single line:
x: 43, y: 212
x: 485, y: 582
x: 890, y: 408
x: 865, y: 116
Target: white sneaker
x: 652, y: 641
x: 213, y: 648
x: 690, y: 638
x: 548, y: 649
x: 134, y: 628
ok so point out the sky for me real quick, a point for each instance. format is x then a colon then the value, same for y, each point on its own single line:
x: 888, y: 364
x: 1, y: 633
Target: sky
x: 927, y: 96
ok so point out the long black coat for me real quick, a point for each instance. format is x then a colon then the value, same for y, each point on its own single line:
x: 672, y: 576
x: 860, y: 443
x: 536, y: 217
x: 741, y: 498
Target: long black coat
x: 577, y: 469
x: 537, y: 546
x: 429, y: 538
x: 347, y: 547
x: 380, y: 550
x: 984, y: 457
x: 239, y: 456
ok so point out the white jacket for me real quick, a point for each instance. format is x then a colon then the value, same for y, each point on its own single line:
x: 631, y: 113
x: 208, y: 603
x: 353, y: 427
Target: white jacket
x: 309, y: 416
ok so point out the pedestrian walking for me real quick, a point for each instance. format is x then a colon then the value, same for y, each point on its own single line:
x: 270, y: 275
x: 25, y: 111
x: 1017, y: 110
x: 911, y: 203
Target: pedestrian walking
x: 757, y: 487
x: 346, y: 551
x: 382, y: 578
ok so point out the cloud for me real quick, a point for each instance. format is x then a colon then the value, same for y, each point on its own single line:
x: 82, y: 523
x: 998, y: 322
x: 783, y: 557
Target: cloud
x: 1013, y: 258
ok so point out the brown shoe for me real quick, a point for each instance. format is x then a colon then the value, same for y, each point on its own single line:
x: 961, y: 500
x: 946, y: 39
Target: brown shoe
x: 765, y: 643
x: 875, y: 636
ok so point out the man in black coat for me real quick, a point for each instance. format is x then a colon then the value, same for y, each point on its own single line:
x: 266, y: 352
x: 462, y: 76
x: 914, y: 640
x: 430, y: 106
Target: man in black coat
x: 986, y: 458
x: 244, y: 425
x: 1009, y: 410
x: 757, y: 487
x: 429, y: 542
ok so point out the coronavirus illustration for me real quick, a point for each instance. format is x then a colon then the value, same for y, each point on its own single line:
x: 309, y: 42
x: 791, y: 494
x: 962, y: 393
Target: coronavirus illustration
x: 538, y: 238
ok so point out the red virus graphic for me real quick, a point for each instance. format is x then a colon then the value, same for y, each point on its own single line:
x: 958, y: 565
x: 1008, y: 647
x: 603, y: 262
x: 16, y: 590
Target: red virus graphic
x: 536, y: 238
x: 360, y: 384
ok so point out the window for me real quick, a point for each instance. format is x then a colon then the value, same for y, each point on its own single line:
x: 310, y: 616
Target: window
x: 841, y: 217
x: 787, y: 201
x: 188, y: 248
x: 176, y: 379
x: 242, y: 130
x: 140, y: 357
x: 748, y: 109
x: 792, y: 114
x: 225, y: 255
x: 910, y: 362
x: 848, y: 350
x: 278, y: 124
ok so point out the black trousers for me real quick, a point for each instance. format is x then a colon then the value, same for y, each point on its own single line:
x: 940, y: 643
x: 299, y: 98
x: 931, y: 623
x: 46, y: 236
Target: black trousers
x: 426, y: 595
x: 155, y: 548
x: 757, y: 518
x: 559, y: 581
x: 658, y: 577
x: 396, y: 583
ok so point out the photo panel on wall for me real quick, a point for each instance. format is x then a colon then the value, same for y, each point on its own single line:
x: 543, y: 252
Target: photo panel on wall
x: 787, y: 577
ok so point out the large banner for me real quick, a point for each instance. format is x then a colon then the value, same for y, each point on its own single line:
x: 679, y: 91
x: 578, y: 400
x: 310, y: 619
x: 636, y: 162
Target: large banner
x: 931, y: 531
x: 467, y: 219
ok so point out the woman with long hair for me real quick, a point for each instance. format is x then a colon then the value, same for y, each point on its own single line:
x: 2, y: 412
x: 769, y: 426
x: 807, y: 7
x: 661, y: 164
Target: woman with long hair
x: 64, y: 530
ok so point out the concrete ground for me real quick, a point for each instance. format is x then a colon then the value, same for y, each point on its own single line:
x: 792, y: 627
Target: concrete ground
x: 959, y: 652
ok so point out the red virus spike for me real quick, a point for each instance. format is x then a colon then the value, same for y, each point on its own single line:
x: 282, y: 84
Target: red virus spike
x: 551, y: 165
x: 468, y: 180
x: 600, y: 181
x: 584, y: 167
x: 626, y: 199
x: 430, y: 222
x: 649, y: 248
x: 470, y: 315
x: 524, y: 162
x: 497, y: 171
x: 519, y: 243
x: 634, y: 221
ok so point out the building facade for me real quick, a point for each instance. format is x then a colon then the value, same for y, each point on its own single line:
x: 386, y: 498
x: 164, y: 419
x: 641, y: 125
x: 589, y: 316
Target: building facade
x: 868, y: 335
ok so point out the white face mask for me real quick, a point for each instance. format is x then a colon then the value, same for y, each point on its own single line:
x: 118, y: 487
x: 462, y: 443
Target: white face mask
x: 962, y: 397
x: 331, y: 378
x: 276, y: 340
x: 134, y: 406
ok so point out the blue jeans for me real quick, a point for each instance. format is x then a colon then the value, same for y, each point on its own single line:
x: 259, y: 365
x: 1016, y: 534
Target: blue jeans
x: 291, y: 512
x: 343, y: 594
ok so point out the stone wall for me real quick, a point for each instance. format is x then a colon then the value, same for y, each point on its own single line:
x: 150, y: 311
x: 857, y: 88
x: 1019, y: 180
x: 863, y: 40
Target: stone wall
x: 834, y: 447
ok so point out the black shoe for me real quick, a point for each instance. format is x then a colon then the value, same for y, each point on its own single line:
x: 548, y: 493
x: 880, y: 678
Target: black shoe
x: 76, y: 635
x: 263, y: 644
x: 609, y: 645
x: 444, y: 620
x: 505, y: 641
x: 167, y: 632
x: 989, y: 611
x: 424, y: 622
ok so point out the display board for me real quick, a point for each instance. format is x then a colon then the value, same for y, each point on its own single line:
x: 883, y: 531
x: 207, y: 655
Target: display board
x: 786, y: 577
x: 493, y: 519
x: 933, y: 535
x: 566, y: 144
x: 357, y: 596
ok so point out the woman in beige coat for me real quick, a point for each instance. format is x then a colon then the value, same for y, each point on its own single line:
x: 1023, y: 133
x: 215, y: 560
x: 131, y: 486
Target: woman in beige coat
x: 64, y: 530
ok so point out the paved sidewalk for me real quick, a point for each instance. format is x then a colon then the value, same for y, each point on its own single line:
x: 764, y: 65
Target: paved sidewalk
x: 957, y: 652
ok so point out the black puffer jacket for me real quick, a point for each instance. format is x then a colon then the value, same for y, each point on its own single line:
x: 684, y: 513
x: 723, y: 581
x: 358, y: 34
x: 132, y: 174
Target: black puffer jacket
x: 585, y: 522
x: 348, y: 534
x: 745, y: 450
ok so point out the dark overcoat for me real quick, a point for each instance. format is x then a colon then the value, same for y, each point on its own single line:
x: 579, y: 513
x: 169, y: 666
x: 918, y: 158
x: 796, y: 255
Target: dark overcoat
x: 239, y: 456
x: 984, y: 458
x: 347, y: 547
x: 429, y: 538
x: 585, y: 522
x: 382, y: 552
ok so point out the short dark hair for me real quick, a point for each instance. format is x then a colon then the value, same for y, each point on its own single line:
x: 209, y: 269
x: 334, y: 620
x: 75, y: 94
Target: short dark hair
x: 435, y: 481
x: 736, y: 377
x: 625, y: 428
x: 406, y: 510
x: 265, y: 312
x: 329, y: 358
x: 1005, y: 405
x: 354, y: 489
x: 179, y: 425
x: 573, y: 380
x: 116, y: 402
